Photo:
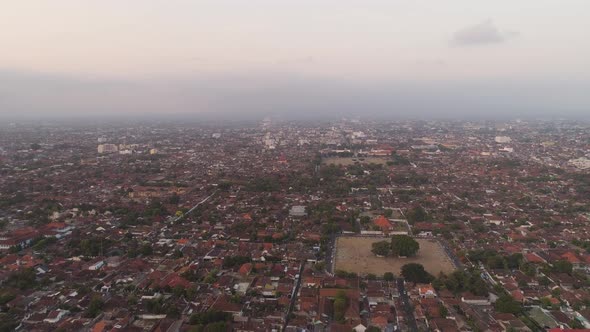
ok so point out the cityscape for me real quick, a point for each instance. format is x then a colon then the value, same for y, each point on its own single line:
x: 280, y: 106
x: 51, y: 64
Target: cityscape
x: 295, y: 166
x: 276, y: 226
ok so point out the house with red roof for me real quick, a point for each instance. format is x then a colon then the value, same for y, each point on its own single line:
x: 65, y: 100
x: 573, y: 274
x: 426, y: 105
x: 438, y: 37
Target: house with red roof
x: 517, y: 295
x: 383, y: 224
x: 534, y: 258
x: 245, y: 269
x: 573, y: 259
x: 426, y: 291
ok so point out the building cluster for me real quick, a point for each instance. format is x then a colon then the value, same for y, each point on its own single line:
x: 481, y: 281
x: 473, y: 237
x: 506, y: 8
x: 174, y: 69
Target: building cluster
x: 179, y: 227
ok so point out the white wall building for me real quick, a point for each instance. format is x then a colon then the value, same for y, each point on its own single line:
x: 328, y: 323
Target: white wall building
x: 107, y: 148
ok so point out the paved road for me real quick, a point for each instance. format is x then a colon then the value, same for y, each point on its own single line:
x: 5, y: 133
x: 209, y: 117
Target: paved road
x: 407, y: 305
x: 450, y: 253
x: 194, y: 207
x: 331, y: 254
x: 293, y: 296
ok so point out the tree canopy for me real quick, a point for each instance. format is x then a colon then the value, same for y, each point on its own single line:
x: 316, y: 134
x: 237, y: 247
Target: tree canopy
x: 381, y: 248
x: 416, y: 214
x: 563, y: 266
x: 415, y: 273
x: 388, y: 276
x: 507, y: 304
x: 403, y: 245
x: 400, y: 245
x: 340, y: 306
x: 462, y: 281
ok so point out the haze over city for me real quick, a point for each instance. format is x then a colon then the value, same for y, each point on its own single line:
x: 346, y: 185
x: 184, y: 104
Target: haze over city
x: 393, y: 59
x: 295, y: 166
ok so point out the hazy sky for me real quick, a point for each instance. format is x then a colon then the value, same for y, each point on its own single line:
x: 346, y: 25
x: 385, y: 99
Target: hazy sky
x: 421, y: 57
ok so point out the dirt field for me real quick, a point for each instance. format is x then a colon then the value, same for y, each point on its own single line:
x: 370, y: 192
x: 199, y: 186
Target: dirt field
x: 353, y: 254
x: 344, y: 161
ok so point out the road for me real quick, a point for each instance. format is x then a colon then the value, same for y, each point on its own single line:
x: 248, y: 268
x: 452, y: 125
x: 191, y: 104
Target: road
x: 331, y: 254
x: 194, y: 207
x: 294, y: 296
x: 450, y: 254
x: 407, y: 305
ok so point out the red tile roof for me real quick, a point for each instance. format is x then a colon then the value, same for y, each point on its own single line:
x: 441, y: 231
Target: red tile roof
x: 382, y: 222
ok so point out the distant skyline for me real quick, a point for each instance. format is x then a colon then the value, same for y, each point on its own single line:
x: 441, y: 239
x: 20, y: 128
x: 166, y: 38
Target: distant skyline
x: 410, y: 59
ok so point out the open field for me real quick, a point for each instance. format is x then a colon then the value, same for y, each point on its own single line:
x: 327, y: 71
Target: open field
x: 353, y: 254
x: 346, y: 161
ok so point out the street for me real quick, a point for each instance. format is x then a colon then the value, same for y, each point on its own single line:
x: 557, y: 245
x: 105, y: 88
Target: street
x: 194, y: 207
x: 407, y: 305
x: 331, y: 254
x: 293, y: 296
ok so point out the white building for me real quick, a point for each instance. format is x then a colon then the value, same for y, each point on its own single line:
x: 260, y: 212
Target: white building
x: 298, y: 211
x: 503, y: 139
x: 55, y: 316
x: 107, y: 148
x: 581, y: 163
x: 96, y: 266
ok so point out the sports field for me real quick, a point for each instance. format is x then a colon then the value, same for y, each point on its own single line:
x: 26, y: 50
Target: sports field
x: 353, y: 254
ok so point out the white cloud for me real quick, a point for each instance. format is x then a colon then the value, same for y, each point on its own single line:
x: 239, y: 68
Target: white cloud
x: 480, y: 34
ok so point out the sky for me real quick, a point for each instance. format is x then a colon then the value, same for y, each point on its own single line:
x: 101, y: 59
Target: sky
x: 394, y: 58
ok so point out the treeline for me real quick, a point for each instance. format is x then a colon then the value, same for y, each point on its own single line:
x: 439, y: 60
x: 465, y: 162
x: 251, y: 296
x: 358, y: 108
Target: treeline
x: 585, y: 244
x: 233, y: 261
x: 210, y: 321
x: 263, y: 184
x: 93, y: 246
x: 400, y: 245
x: 462, y: 281
x: 493, y: 260
x: 340, y: 306
x: 24, y: 279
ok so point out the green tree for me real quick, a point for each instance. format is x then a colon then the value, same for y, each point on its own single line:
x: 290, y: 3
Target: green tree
x: 416, y: 214
x: 233, y: 261
x: 563, y: 266
x: 381, y: 248
x: 177, y: 254
x: 444, y: 312
x: 403, y: 245
x: 415, y: 273
x: 546, y: 303
x: 178, y: 291
x: 95, y: 306
x: 216, y: 327
x: 576, y: 324
x: 209, y: 317
x: 507, y: 304
x: 146, y: 249
x: 174, y: 199
x: 191, y: 293
x: 319, y: 266
x: 388, y: 276
x: 365, y: 220
x: 23, y: 279
x: 462, y: 281
x: 544, y: 281
x: 340, y: 306
x: 211, y: 277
